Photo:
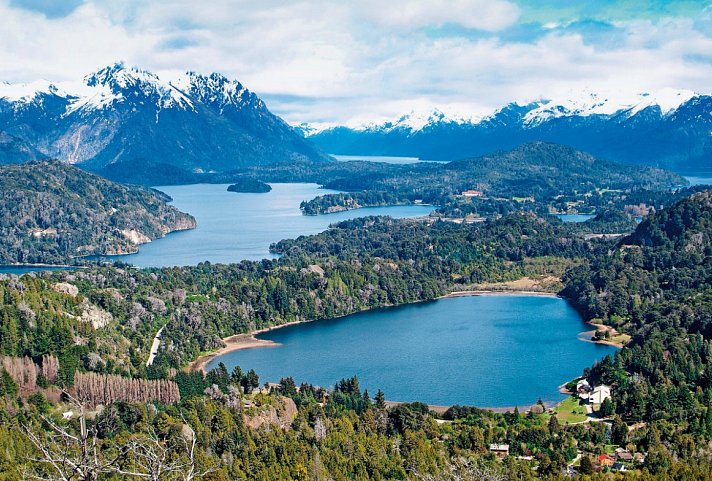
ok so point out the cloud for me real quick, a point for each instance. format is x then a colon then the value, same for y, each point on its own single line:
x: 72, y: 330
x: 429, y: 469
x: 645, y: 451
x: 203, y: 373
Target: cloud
x: 489, y: 15
x: 318, y: 60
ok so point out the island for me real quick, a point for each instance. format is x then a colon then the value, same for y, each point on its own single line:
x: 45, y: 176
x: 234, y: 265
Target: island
x: 250, y: 186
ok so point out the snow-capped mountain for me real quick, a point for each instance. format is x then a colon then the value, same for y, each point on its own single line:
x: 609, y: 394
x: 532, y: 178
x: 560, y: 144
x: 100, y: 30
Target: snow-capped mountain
x: 669, y: 128
x: 127, y: 117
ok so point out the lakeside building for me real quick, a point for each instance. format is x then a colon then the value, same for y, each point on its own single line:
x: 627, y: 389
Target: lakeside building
x: 599, y: 394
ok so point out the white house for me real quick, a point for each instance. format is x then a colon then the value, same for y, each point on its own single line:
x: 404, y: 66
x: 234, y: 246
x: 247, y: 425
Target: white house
x: 600, y: 394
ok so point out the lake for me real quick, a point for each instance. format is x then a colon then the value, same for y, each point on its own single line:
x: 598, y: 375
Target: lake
x: 386, y: 159
x: 238, y: 226
x: 699, y: 179
x: 486, y: 350
x: 575, y: 217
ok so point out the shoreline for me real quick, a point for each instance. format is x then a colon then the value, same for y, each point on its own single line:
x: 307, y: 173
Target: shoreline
x: 247, y: 340
x: 54, y: 266
x: 496, y: 292
x: 243, y: 341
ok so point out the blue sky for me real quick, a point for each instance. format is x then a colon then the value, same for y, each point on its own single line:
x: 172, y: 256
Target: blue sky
x: 347, y: 61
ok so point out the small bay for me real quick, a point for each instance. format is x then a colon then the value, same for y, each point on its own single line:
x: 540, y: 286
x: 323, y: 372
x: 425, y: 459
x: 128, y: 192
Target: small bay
x: 485, y: 350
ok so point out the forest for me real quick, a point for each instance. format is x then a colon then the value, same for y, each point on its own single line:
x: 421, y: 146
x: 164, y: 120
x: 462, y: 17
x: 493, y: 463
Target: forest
x: 51, y: 212
x: 80, y: 332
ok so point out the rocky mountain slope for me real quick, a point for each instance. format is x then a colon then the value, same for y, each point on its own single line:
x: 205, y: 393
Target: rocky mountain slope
x: 122, y: 119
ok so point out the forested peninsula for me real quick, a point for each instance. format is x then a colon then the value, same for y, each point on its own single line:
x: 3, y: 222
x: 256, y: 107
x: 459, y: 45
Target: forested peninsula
x: 54, y: 213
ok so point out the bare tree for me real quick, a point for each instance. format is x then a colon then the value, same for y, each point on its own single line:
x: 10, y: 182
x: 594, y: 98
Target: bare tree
x: 464, y: 470
x: 69, y: 456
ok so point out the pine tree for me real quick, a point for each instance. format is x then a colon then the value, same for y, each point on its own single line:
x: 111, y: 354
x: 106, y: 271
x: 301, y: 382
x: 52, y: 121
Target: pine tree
x: 380, y: 400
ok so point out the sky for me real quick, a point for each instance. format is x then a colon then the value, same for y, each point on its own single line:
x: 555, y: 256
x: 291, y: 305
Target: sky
x: 341, y: 61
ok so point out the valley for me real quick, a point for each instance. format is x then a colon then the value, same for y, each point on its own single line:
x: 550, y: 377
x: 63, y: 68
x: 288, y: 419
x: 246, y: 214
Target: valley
x: 355, y: 241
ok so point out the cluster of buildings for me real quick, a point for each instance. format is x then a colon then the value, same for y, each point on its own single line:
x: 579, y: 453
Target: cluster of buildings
x: 592, y: 395
x: 619, y: 460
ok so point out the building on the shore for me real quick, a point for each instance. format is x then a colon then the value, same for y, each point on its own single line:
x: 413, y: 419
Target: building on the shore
x: 599, y: 394
x: 583, y: 389
x: 500, y: 450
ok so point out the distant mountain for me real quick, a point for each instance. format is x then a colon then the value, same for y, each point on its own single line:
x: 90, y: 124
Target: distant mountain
x: 126, y: 120
x: 669, y: 129
x: 51, y: 212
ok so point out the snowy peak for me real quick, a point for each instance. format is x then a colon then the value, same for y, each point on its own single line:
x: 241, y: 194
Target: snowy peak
x: 215, y: 89
x: 117, y: 77
x: 527, y: 115
x: 118, y: 84
x: 668, y: 100
x: 593, y: 103
x: 26, y: 92
x: 418, y: 120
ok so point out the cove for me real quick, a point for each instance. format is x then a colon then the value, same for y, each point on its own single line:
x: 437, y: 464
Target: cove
x: 236, y: 226
x: 484, y: 350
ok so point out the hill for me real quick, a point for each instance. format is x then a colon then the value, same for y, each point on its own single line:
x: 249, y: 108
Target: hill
x: 122, y: 119
x: 51, y: 212
x: 537, y: 173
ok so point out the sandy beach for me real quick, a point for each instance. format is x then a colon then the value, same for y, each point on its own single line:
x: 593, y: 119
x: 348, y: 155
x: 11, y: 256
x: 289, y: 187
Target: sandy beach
x: 232, y: 343
x: 239, y: 342
x: 490, y: 292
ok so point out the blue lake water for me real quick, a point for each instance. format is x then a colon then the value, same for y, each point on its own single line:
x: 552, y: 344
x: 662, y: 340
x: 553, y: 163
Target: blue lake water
x: 699, y: 179
x: 237, y: 226
x: 488, y: 351
x: 575, y: 217
x: 386, y: 159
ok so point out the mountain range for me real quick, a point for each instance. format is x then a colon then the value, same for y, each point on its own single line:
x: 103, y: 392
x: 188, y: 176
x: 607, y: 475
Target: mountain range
x: 123, y: 119
x: 669, y: 129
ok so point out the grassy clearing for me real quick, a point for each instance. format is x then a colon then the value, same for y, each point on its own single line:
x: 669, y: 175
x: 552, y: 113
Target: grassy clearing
x: 570, y: 411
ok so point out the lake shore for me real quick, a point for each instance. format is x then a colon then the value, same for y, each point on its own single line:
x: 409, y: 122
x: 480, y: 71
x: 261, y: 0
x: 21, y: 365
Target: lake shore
x: 494, y: 292
x: 249, y: 340
x: 239, y: 342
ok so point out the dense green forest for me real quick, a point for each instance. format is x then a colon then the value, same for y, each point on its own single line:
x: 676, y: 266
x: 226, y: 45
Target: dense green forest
x: 51, y: 212
x: 70, y: 214
x: 547, y: 176
x: 653, y: 284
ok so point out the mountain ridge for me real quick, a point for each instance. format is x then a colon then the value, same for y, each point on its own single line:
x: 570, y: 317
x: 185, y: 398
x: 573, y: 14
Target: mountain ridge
x: 129, y: 117
x: 669, y: 129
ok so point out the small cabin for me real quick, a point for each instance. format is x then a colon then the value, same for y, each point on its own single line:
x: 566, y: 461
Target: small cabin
x: 500, y: 450
x: 624, y: 455
x: 605, y: 460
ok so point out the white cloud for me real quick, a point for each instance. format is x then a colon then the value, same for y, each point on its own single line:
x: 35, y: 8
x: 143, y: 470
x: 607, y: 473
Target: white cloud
x: 330, y: 61
x: 488, y: 15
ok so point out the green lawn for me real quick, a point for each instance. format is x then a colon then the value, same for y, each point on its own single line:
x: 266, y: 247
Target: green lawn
x: 570, y: 411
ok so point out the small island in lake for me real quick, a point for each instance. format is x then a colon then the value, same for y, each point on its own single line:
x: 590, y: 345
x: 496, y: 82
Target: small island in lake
x: 249, y: 186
